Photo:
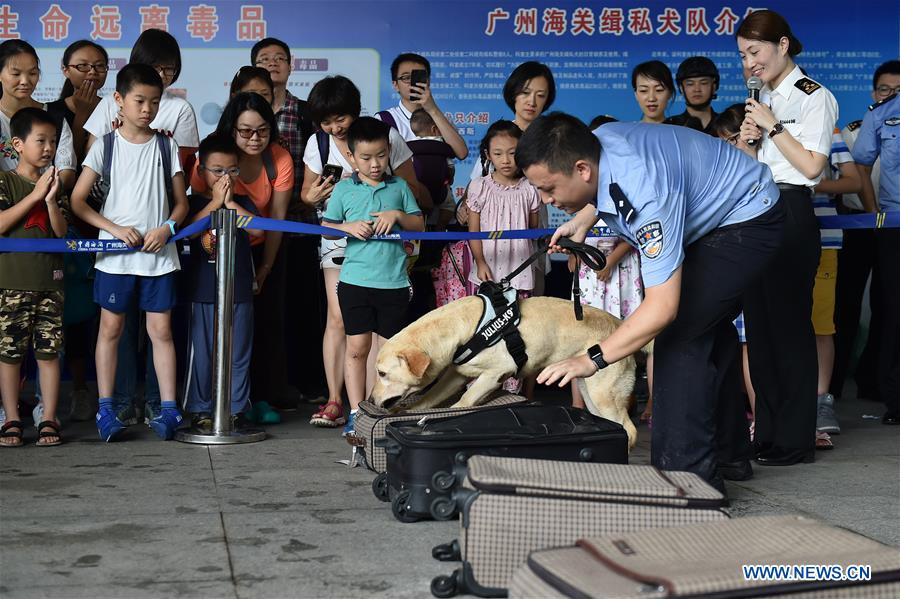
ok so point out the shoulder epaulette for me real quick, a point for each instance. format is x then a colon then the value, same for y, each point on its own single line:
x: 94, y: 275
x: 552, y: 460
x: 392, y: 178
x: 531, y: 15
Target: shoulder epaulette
x: 854, y: 125
x: 807, y: 86
x: 880, y: 102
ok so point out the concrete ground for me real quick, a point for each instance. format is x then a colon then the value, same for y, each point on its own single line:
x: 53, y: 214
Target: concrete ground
x: 280, y: 518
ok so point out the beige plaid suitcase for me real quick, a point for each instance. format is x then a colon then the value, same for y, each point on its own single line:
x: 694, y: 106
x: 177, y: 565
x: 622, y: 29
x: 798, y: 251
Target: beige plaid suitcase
x: 511, y: 506
x: 709, y: 560
x: 371, y: 420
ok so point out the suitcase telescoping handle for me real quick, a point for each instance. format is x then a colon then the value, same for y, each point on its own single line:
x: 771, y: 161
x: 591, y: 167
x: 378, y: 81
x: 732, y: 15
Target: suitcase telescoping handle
x: 388, y: 445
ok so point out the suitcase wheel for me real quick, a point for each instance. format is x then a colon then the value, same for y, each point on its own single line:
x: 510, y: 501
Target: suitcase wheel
x: 443, y: 481
x: 443, y: 508
x: 444, y: 586
x: 380, y: 487
x: 400, y: 507
x: 447, y: 552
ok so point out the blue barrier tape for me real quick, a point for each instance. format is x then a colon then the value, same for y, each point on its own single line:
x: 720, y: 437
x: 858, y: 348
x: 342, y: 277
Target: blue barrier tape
x: 88, y: 245
x: 881, y: 220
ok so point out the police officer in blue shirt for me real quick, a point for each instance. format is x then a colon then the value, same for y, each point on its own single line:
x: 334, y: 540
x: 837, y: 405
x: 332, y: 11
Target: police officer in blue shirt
x: 706, y: 219
x: 879, y: 135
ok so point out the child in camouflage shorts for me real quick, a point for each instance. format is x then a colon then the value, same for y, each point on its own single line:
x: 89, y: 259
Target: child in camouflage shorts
x: 31, y: 283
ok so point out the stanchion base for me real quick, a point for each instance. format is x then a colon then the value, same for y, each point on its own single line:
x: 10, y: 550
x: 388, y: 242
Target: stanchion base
x: 247, y: 435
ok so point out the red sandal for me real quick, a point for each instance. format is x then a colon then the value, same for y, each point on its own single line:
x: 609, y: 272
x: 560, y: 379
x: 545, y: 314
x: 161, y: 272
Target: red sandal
x: 331, y: 415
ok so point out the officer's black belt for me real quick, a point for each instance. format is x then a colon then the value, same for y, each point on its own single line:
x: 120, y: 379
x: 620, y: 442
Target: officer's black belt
x: 792, y: 187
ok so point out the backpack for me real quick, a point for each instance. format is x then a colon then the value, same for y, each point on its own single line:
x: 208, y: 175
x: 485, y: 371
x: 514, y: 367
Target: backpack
x: 432, y: 169
x: 100, y: 191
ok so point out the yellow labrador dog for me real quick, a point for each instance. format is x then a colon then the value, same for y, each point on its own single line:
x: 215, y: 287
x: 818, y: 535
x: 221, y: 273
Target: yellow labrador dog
x: 422, y: 353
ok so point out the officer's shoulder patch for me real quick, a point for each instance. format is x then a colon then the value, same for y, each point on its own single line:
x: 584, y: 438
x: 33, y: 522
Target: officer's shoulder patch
x: 807, y: 86
x: 650, y: 239
x: 854, y: 125
x: 882, y: 102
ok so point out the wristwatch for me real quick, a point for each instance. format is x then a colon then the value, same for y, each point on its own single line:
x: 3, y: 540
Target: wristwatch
x: 778, y: 128
x: 596, y: 355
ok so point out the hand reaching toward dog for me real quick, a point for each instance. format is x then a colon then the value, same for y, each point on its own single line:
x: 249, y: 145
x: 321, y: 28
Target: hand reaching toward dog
x: 578, y: 367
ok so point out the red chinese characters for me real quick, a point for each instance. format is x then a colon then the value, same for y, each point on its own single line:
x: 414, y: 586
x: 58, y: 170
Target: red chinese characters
x: 498, y: 14
x: 107, y: 23
x: 554, y: 21
x: 639, y: 21
x: 583, y: 21
x: 56, y: 23
x: 9, y: 23
x: 526, y: 21
x: 154, y: 17
x: 612, y: 20
x: 668, y: 22
x: 203, y: 22
x: 696, y: 21
x: 725, y: 21
x: 251, y: 26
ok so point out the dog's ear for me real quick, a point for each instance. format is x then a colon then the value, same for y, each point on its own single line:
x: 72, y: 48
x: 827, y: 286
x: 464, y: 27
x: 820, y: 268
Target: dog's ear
x: 416, y: 360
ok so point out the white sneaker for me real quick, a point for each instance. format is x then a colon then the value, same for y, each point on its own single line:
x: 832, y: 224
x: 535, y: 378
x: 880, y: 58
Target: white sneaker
x: 38, y: 413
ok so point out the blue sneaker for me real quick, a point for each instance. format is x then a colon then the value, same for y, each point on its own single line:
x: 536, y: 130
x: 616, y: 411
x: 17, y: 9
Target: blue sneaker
x: 108, y: 425
x: 349, y: 428
x: 166, y: 423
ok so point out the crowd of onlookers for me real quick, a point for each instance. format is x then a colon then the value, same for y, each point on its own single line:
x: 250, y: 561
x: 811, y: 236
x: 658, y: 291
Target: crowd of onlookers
x: 131, y: 166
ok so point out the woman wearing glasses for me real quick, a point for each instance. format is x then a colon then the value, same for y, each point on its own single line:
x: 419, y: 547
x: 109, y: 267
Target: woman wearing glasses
x: 85, y: 65
x: 791, y: 127
x: 160, y: 50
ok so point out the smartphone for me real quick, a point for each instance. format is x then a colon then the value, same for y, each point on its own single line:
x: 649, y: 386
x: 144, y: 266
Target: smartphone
x: 334, y: 171
x: 417, y: 77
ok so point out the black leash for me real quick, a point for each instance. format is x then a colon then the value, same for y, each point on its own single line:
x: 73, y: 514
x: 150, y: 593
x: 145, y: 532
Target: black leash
x: 593, y: 257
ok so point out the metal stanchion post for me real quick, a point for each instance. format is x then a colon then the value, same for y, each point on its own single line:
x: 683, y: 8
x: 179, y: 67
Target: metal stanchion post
x: 223, y: 222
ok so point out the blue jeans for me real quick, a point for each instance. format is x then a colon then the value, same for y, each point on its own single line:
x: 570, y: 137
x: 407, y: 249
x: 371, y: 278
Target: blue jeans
x: 126, y: 368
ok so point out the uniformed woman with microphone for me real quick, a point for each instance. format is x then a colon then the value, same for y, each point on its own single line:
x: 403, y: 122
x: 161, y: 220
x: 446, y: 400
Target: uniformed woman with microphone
x: 791, y: 127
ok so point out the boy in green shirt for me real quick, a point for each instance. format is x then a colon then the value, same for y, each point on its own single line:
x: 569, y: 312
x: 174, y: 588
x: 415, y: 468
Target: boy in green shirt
x: 31, y: 283
x: 373, y: 289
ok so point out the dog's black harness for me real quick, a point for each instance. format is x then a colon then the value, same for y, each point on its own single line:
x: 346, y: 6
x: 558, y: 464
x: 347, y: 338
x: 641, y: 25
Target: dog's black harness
x: 500, y: 314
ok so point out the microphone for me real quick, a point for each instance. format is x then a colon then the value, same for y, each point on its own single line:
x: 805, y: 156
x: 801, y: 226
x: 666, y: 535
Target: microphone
x: 754, y: 84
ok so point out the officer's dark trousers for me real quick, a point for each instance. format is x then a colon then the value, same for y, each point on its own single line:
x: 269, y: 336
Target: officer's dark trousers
x: 888, y: 240
x: 698, y: 417
x: 856, y: 260
x: 780, y: 340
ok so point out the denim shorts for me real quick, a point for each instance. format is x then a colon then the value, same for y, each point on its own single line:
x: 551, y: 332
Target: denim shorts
x: 116, y: 292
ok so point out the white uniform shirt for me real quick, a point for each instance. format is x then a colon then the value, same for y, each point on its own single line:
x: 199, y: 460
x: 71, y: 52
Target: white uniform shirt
x: 851, y: 200
x: 175, y: 115
x: 809, y: 117
x: 137, y: 198
x: 401, y: 118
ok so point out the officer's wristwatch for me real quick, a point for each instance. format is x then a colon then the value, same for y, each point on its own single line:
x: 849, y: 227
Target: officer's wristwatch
x: 596, y: 355
x: 778, y: 128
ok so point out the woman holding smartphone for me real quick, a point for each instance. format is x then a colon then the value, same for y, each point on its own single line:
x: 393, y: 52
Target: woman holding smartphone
x: 790, y: 127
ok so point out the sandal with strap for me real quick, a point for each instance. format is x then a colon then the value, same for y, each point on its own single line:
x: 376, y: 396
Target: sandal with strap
x: 5, y: 433
x: 330, y: 416
x: 44, y: 434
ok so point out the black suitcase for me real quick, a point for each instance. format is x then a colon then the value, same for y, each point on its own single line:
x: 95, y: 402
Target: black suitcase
x: 422, y: 457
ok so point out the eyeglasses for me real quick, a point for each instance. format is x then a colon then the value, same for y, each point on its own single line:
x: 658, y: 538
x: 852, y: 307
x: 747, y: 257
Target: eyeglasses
x: 886, y: 90
x: 87, y: 68
x: 165, y: 70
x: 405, y: 78
x: 733, y: 139
x: 221, y: 172
x: 249, y: 133
x: 277, y: 59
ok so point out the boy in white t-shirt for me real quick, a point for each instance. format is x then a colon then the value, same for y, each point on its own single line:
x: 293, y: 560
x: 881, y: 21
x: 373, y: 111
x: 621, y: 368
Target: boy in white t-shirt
x: 136, y: 211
